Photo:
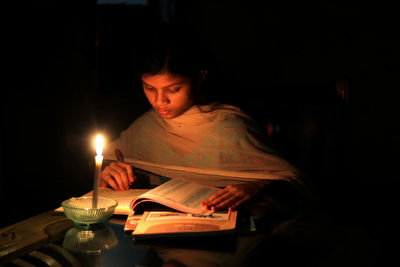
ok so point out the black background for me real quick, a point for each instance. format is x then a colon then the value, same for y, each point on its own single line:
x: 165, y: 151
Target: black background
x: 68, y: 74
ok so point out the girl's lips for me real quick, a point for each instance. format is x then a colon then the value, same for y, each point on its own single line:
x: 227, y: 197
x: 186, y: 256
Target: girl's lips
x: 163, y: 112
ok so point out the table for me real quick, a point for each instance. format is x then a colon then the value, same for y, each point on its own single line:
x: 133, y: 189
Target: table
x: 40, y: 241
x: 51, y: 239
x: 25, y: 237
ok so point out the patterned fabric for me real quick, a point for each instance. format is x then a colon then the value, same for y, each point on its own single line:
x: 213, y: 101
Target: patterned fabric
x: 211, y: 141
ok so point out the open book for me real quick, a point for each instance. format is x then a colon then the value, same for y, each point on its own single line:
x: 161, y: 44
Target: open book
x: 186, y: 216
x: 178, y: 194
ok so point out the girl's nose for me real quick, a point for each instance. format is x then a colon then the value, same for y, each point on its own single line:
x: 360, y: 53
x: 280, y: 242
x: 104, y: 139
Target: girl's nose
x: 162, y: 98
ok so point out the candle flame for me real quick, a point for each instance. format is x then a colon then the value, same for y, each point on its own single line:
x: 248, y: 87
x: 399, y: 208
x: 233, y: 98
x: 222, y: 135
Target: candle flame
x: 99, y: 145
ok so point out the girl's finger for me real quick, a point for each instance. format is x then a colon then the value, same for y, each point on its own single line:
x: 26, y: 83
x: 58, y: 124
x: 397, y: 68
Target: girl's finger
x: 128, y: 168
x: 121, y: 176
x: 110, y: 181
x: 228, y: 202
x: 217, y: 198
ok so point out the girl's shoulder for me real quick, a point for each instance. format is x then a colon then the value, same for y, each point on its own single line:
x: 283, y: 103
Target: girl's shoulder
x: 229, y: 116
x: 232, y: 113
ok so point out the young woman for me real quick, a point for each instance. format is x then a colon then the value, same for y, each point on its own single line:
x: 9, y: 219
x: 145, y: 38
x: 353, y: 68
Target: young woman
x: 218, y: 143
x: 179, y: 131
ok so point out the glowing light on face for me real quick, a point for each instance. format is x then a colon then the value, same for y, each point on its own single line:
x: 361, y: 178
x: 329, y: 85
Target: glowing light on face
x: 169, y: 94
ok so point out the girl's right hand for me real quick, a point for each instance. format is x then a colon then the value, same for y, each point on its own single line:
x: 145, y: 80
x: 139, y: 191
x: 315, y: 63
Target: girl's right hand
x: 118, y: 175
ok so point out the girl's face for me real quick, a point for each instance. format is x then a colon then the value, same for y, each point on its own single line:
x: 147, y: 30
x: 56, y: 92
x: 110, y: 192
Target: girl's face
x: 169, y: 94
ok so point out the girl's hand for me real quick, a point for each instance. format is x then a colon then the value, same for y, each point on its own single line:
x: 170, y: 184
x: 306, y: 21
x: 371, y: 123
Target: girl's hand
x: 118, y: 175
x: 235, y: 196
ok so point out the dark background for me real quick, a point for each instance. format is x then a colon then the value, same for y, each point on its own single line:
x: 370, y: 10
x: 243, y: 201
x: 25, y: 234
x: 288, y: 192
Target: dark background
x: 322, y: 76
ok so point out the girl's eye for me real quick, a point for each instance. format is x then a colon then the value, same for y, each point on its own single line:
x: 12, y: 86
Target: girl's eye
x: 148, y: 87
x: 175, y: 90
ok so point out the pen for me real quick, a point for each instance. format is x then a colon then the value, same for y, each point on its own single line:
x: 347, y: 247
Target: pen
x: 119, y: 155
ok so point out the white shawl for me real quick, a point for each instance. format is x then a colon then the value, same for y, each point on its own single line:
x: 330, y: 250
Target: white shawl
x: 214, y: 144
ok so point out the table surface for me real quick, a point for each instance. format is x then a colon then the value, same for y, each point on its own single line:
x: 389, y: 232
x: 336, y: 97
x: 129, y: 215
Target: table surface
x: 52, y: 239
x: 42, y: 239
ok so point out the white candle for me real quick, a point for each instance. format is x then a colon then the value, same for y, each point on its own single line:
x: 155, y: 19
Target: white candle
x: 99, y: 162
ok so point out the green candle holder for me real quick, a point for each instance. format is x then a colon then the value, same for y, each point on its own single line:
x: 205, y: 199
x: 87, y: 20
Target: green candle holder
x: 80, y: 210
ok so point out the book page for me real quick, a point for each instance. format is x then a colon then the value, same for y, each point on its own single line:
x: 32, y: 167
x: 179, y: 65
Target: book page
x: 182, y: 192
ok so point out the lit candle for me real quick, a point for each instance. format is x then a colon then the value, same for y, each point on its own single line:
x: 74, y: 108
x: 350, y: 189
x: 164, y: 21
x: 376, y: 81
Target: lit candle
x: 99, y: 162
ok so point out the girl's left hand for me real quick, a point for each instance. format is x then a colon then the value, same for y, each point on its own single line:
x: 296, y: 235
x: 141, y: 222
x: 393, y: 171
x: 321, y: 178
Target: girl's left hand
x: 234, y: 196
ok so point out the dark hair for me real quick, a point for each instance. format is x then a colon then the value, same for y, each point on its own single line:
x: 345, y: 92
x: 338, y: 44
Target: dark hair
x: 179, y: 53
x: 176, y: 57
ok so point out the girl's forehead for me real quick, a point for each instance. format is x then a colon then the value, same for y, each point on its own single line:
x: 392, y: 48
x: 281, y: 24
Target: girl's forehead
x: 164, y: 79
